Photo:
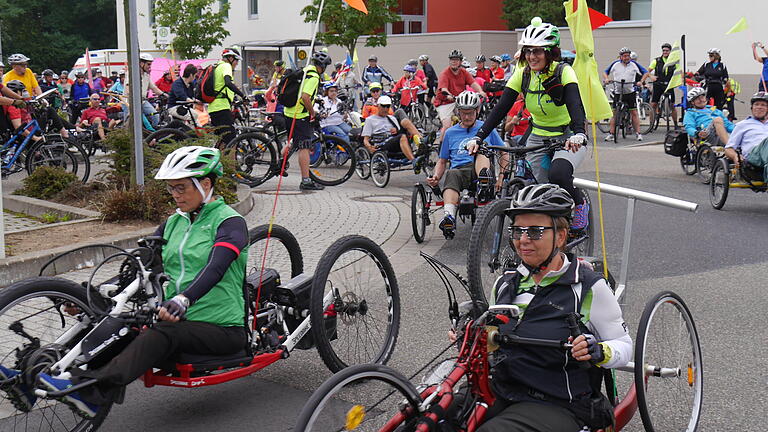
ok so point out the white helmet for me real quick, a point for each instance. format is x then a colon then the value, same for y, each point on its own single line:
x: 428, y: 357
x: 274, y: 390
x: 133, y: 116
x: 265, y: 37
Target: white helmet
x: 633, y: 55
x: 146, y: 57
x: 424, y: 57
x: 625, y: 50
x: 695, y: 92
x: 17, y: 58
x: 540, y: 34
x: 465, y: 64
x: 713, y: 51
x: 468, y: 100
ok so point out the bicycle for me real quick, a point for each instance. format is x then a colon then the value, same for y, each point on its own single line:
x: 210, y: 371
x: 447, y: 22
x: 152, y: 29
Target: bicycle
x: 456, y: 395
x: 665, y: 109
x: 53, y: 325
x: 490, y: 249
x: 622, y: 116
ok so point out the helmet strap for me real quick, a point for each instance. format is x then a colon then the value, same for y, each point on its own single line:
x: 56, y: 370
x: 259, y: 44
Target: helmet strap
x: 206, y: 197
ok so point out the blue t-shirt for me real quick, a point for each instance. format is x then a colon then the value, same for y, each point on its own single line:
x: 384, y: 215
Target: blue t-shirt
x: 454, y: 147
x: 765, y: 68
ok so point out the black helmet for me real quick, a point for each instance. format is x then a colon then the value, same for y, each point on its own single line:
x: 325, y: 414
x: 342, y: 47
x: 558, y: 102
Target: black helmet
x: 47, y: 72
x: 544, y: 198
x: 666, y: 45
x: 320, y: 58
x: 455, y: 54
x: 16, y: 86
x: 480, y: 58
x: 759, y: 96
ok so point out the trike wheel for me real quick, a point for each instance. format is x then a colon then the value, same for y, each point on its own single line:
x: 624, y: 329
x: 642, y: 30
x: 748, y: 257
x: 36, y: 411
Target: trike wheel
x: 361, y: 398
x: 336, y: 161
x: 705, y: 159
x: 719, y: 184
x: 355, y: 304
x: 582, y: 242
x: 363, y: 168
x: 419, y: 213
x: 283, y: 253
x: 380, y: 169
x: 668, y: 366
x: 490, y: 251
x: 255, y: 158
x: 37, y: 305
x: 688, y: 161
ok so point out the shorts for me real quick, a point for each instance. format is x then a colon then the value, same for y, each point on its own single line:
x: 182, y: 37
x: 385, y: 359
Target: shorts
x: 302, y: 133
x: 658, y: 91
x: 391, y: 144
x: 460, y: 178
x: 445, y: 112
x: 629, y: 99
x: 712, y: 138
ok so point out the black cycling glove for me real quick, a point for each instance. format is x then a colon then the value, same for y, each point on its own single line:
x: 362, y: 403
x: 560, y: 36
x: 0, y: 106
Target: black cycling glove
x: 177, y: 306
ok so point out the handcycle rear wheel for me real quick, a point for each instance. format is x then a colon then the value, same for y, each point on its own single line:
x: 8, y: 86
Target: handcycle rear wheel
x: 705, y: 159
x: 380, y: 168
x: 720, y: 183
x: 668, y: 366
x: 688, y: 160
x: 419, y: 213
x: 37, y: 304
x: 336, y: 161
x: 355, y: 304
x: 361, y: 398
x: 363, y: 162
x: 490, y: 251
x: 283, y: 253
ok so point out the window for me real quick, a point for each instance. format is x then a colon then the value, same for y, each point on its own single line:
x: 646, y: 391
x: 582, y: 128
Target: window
x: 151, y: 12
x: 253, y: 9
x: 398, y: 27
x: 625, y: 10
x: 414, y: 17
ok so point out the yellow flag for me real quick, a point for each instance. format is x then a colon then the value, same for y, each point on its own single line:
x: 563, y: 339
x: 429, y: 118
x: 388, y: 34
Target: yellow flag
x: 354, y: 57
x: 741, y: 25
x: 674, y: 59
x: 593, y: 96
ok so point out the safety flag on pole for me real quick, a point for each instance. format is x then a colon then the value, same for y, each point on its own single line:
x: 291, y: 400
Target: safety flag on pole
x: 741, y: 25
x: 354, y: 57
x: 357, y: 4
x: 593, y: 96
x: 597, y: 19
x: 674, y: 59
x: 88, y: 67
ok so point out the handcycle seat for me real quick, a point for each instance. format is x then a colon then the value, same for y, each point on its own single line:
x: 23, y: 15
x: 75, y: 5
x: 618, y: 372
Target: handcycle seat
x: 752, y: 173
x: 201, y: 362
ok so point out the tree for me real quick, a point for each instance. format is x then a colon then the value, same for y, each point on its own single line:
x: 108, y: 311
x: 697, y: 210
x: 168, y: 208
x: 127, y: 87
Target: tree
x: 518, y: 13
x: 343, y: 25
x: 196, y: 26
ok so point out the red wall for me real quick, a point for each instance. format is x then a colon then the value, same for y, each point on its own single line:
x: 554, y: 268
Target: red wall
x: 464, y: 15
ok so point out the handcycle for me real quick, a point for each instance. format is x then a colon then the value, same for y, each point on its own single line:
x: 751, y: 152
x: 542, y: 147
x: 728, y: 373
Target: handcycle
x: 623, y: 118
x: 379, y: 165
x: 490, y: 250
x: 725, y: 175
x: 456, y: 395
x: 53, y: 325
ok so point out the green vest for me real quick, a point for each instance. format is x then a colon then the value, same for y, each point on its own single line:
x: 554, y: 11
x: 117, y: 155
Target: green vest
x: 186, y: 254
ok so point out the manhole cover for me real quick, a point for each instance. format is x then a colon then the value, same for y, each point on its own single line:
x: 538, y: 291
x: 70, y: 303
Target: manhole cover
x: 282, y: 192
x: 382, y: 198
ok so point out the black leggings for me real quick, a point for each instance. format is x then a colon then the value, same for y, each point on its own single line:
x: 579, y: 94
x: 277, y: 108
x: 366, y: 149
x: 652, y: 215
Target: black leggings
x: 529, y: 417
x: 224, y: 122
x: 715, y: 91
x: 561, y: 174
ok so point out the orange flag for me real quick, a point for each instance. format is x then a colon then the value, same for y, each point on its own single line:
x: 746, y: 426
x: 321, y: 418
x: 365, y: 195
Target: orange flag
x: 357, y: 4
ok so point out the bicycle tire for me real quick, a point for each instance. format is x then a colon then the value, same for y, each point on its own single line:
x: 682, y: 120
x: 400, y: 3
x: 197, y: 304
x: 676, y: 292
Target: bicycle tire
x: 719, y: 184
x: 363, y: 161
x: 255, y: 158
x: 482, y: 266
x: 357, y: 256
x: 380, y: 171
x: 693, y: 375
x: 604, y: 125
x: 585, y: 247
x: 314, y: 416
x: 31, y: 292
x: 688, y: 161
x: 337, y: 163
x: 705, y: 158
x: 650, y: 115
x: 165, y: 136
x: 419, y: 213
x: 66, y: 154
x: 286, y: 238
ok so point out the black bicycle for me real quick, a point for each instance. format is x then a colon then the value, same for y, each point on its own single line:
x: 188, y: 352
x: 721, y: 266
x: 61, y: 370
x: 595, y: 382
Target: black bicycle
x: 622, y: 117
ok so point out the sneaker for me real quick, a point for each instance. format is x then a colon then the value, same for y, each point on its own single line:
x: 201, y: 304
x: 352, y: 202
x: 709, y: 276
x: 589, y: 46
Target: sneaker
x: 73, y: 399
x: 310, y: 185
x: 19, y: 394
x: 417, y: 163
x: 448, y: 226
x: 639, y: 137
x: 285, y: 172
x: 609, y: 137
x: 580, y: 217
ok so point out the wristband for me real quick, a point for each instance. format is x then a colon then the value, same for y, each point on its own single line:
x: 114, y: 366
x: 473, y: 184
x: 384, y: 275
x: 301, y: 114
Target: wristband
x: 607, y: 354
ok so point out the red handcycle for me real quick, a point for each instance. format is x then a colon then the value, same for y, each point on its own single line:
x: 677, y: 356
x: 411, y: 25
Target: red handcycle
x: 349, y: 309
x: 456, y: 395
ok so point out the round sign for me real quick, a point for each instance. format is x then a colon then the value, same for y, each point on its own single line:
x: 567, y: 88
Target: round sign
x: 302, y: 55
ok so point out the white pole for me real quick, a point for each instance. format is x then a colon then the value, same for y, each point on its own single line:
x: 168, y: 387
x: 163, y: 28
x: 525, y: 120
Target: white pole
x: 134, y: 85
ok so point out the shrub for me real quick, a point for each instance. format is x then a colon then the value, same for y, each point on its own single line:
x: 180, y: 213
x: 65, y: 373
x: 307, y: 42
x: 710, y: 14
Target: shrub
x: 46, y: 181
x: 151, y: 203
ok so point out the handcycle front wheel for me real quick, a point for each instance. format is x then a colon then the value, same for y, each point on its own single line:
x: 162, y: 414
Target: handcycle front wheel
x: 668, y: 366
x: 354, y: 304
x: 64, y: 153
x: 419, y: 213
x: 719, y: 183
x: 365, y: 397
x: 380, y: 171
x: 37, y: 305
x: 336, y: 161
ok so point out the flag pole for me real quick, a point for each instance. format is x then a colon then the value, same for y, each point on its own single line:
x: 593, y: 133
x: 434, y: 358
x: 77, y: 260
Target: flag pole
x: 682, y: 71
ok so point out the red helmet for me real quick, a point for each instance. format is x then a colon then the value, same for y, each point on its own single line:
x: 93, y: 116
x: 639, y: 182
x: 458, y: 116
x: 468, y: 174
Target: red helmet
x: 231, y: 52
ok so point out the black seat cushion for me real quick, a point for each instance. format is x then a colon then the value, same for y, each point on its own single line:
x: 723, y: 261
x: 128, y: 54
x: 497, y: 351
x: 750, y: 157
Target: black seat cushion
x: 211, y: 362
x: 752, y: 172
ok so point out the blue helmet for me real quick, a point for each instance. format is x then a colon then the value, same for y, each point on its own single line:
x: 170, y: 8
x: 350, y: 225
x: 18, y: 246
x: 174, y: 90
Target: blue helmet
x: 506, y: 57
x: 409, y: 68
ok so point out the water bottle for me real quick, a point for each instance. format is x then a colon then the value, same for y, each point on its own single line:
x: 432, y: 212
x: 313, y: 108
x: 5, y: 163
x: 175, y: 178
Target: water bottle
x: 520, y: 168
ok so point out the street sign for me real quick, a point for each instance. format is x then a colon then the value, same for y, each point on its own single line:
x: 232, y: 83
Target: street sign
x: 163, y: 35
x: 302, y: 55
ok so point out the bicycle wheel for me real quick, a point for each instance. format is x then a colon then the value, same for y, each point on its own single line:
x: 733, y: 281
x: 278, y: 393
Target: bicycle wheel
x: 582, y: 242
x: 355, y: 304
x: 380, y: 169
x: 688, y: 161
x: 165, y: 136
x: 336, y: 164
x: 284, y: 252
x: 255, y: 158
x: 419, y: 213
x: 361, y: 398
x: 490, y: 251
x: 647, y: 117
x: 363, y: 162
x: 69, y: 156
x: 604, y: 125
x: 705, y: 158
x: 668, y: 366
x: 429, y: 164
x: 34, y: 307
x: 719, y: 184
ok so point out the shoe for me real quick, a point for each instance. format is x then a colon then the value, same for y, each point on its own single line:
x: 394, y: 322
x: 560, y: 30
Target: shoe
x: 639, y: 137
x: 310, y: 185
x: 417, y: 163
x: 609, y: 137
x: 73, y: 399
x: 448, y: 226
x: 580, y: 217
x: 19, y: 394
x: 285, y: 171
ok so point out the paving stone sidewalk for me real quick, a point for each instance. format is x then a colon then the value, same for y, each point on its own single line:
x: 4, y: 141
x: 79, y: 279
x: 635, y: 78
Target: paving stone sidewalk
x: 14, y: 223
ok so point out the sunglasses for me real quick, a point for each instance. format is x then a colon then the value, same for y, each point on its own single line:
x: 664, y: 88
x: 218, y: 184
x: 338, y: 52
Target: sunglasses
x: 179, y: 189
x: 533, y: 232
x: 534, y: 51
x: 384, y: 106
x: 375, y: 90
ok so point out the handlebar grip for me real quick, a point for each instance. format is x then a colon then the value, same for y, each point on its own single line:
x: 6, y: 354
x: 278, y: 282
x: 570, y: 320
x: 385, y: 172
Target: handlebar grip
x: 573, y: 326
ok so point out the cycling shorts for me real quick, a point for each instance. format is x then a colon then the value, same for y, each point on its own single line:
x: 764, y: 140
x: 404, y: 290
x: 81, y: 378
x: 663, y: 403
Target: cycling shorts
x: 658, y: 91
x: 629, y: 99
x: 391, y: 145
x: 460, y: 178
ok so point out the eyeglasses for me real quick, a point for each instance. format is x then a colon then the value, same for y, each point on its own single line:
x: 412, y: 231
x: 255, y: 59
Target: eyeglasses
x: 384, y: 106
x: 179, y: 189
x: 533, y: 232
x: 711, y: 55
x: 534, y: 51
x: 375, y: 90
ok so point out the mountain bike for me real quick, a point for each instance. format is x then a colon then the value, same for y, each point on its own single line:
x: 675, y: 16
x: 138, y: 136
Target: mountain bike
x: 666, y: 110
x: 622, y: 116
x: 53, y: 325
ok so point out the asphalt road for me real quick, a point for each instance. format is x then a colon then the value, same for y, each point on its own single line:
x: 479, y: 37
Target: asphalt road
x: 714, y: 259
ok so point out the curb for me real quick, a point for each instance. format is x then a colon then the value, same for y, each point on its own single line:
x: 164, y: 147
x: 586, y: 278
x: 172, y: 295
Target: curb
x: 645, y: 144
x: 37, y: 207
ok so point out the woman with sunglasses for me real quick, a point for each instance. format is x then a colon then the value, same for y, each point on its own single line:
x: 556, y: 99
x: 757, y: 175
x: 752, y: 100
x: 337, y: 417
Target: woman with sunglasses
x: 546, y: 389
x: 715, y: 74
x: 552, y: 97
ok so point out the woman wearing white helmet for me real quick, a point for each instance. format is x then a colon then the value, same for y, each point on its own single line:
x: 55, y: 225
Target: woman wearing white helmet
x: 205, y: 256
x: 714, y: 74
x: 551, y: 93
x: 704, y: 121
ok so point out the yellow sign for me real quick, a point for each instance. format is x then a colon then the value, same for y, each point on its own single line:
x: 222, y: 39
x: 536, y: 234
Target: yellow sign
x: 302, y: 55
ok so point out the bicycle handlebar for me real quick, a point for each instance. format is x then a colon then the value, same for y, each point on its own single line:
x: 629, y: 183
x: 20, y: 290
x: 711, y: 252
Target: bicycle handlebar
x: 549, y: 144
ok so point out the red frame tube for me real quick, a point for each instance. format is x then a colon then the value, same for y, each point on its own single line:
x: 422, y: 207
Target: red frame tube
x: 186, y: 379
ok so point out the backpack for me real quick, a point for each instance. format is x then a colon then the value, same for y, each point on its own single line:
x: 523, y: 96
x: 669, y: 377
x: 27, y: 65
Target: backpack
x: 205, y: 89
x: 287, y: 90
x: 553, y: 86
x: 676, y: 143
